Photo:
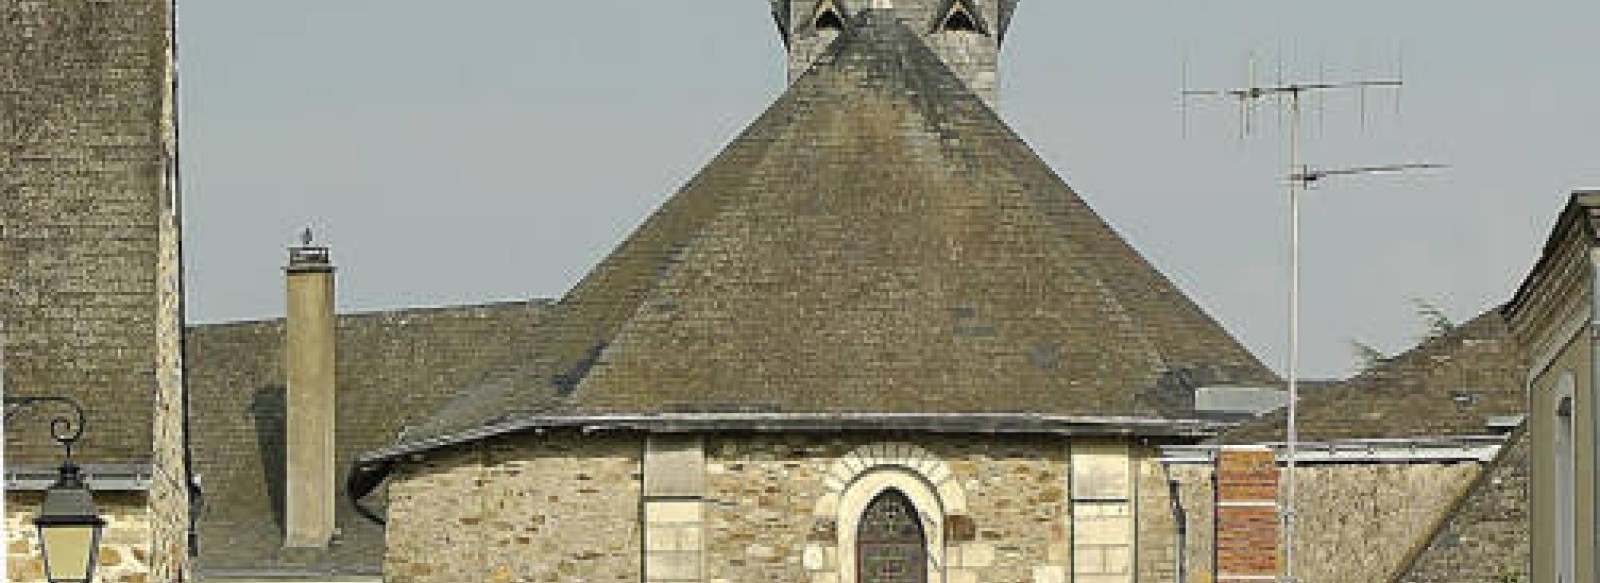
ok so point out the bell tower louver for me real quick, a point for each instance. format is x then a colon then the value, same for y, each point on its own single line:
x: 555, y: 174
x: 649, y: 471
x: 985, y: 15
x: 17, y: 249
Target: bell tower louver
x: 965, y: 34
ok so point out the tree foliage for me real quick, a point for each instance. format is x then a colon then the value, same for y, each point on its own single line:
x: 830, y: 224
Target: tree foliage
x: 1435, y: 322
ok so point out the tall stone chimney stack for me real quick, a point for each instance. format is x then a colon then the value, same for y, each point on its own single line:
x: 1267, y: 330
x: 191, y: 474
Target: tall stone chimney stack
x: 310, y: 492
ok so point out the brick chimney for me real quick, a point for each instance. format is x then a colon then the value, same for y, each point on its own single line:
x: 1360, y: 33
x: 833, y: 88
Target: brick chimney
x: 310, y: 493
x: 1247, y: 515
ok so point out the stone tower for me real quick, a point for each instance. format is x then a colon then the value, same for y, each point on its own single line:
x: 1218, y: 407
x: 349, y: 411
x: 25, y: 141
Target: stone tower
x: 965, y: 34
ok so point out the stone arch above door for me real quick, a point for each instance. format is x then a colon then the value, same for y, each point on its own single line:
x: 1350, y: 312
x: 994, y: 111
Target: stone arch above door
x: 860, y: 476
x: 909, y: 457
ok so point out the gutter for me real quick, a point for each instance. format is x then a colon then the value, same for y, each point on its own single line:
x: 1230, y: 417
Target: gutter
x: 1180, y: 519
x: 1594, y: 379
x: 1449, y: 449
x: 363, y: 480
x: 292, y: 574
x: 98, y: 477
x: 993, y: 423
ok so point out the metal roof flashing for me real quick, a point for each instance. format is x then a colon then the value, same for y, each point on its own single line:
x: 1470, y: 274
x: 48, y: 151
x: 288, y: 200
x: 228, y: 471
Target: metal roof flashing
x: 98, y: 477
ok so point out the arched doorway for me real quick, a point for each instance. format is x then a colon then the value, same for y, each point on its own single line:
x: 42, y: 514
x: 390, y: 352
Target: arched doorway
x: 890, y: 544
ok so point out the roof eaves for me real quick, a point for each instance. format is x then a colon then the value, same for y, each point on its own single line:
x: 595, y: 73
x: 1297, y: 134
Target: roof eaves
x: 1579, y: 213
x: 993, y: 423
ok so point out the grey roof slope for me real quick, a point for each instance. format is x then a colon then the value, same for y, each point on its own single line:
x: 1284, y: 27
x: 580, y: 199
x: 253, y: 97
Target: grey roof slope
x: 1484, y: 538
x: 393, y: 368
x: 1414, y: 394
x: 877, y: 241
x: 1579, y: 220
x: 82, y: 171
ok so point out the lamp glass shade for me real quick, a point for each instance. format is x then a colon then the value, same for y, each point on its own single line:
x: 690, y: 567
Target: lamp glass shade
x: 69, y: 551
x: 69, y: 532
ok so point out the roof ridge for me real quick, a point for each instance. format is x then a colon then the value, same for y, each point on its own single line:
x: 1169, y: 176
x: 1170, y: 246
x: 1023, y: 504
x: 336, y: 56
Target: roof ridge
x: 1431, y: 344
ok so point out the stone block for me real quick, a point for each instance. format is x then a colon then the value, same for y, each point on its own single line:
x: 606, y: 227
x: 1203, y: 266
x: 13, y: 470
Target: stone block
x: 1089, y: 561
x: 827, y: 506
x: 1117, y: 560
x: 658, y: 512
x: 961, y: 576
x: 672, y: 566
x: 1060, y: 553
x: 1050, y: 574
x: 672, y: 537
x: 813, y: 558
x: 977, y: 555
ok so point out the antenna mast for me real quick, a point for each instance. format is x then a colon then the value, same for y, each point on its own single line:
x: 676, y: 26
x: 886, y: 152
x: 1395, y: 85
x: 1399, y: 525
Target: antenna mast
x: 1301, y: 177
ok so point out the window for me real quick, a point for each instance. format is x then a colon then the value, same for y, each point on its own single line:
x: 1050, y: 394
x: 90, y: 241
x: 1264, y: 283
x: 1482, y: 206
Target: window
x: 1565, y: 484
x: 960, y: 20
x: 890, y: 544
x: 828, y: 17
x: 959, y: 16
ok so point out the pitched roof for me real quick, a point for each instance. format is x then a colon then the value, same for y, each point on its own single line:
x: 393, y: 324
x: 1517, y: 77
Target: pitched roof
x: 1577, y: 228
x: 81, y: 204
x: 393, y: 369
x: 1484, y: 537
x: 877, y: 241
x: 1449, y: 385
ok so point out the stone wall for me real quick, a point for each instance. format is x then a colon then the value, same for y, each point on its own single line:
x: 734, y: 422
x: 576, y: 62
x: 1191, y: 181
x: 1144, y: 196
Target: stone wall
x: 770, y: 509
x: 1159, y: 548
x: 558, y: 507
x: 124, y: 552
x: 567, y: 507
x: 170, y: 490
x: 1358, y: 522
x: 1198, y: 493
x: 760, y: 487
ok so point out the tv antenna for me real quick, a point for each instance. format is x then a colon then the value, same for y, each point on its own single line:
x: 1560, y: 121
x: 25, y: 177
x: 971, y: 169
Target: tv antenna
x: 1293, y: 95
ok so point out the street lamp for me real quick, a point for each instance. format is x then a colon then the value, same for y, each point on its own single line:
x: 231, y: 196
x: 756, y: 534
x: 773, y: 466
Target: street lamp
x: 69, y: 527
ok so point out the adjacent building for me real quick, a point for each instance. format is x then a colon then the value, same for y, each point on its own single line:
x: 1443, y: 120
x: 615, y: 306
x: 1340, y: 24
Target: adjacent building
x: 1386, y: 456
x: 90, y: 284
x: 250, y: 382
x: 1554, y: 314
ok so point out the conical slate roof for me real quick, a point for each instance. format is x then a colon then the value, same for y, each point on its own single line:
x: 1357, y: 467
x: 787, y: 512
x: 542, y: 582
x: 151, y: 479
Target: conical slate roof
x: 877, y: 242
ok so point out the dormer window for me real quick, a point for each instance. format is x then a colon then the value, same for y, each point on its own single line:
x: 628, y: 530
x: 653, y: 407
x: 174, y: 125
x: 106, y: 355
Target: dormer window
x: 828, y: 17
x: 960, y: 16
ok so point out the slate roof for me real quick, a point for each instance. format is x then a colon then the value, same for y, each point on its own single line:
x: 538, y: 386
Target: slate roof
x: 1450, y: 385
x: 82, y: 179
x: 1485, y: 537
x: 393, y: 368
x: 877, y: 241
x: 1579, y: 221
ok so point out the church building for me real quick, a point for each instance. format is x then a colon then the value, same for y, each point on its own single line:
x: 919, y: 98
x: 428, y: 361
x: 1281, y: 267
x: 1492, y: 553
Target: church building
x: 877, y: 339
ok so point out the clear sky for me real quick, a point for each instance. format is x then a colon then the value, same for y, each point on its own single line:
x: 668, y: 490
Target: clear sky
x: 476, y: 150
